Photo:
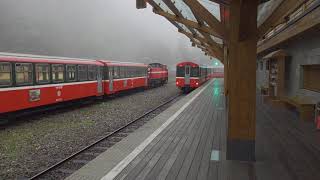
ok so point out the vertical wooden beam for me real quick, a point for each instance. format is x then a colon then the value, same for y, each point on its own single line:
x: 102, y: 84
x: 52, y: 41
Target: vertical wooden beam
x: 226, y: 68
x: 242, y: 80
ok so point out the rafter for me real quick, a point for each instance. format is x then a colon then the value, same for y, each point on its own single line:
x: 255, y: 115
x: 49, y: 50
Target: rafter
x: 213, y: 45
x: 187, y: 22
x: 179, y: 14
x: 222, y: 2
x: 173, y: 8
x: 204, y: 47
x: 200, y: 21
x: 285, y: 8
x: 202, y: 13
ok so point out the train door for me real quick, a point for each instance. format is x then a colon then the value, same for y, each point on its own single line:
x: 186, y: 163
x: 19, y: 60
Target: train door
x: 111, y: 70
x: 99, y: 80
x: 187, y: 75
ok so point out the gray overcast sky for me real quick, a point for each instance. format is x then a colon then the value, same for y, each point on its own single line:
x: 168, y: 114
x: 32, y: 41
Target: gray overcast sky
x: 107, y: 29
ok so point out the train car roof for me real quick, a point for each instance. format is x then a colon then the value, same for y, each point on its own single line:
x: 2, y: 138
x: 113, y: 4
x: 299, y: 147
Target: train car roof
x: 156, y: 64
x: 187, y: 63
x: 15, y: 57
x: 119, y: 63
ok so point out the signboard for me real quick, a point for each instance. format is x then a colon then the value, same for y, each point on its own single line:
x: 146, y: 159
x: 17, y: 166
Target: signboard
x: 34, y: 95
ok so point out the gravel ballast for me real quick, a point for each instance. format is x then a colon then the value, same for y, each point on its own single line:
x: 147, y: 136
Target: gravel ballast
x: 40, y: 141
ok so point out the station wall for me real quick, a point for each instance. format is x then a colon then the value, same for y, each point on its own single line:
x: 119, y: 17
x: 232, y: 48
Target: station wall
x: 303, y: 50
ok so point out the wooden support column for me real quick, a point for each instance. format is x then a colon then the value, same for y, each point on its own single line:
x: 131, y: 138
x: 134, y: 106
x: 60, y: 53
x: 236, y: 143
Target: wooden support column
x: 242, y: 80
x: 226, y: 68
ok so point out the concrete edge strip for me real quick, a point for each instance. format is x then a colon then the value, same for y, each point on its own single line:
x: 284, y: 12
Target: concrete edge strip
x: 122, y: 164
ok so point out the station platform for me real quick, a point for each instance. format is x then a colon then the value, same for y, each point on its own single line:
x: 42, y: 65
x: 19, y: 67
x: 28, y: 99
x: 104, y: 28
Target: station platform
x: 188, y: 141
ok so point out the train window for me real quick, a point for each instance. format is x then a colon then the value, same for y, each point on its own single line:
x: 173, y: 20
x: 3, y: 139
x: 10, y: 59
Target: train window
x: 24, y: 73
x: 129, y: 72
x: 71, y: 73
x: 42, y: 73
x: 115, y: 72
x: 125, y: 71
x: 83, y: 72
x: 106, y: 73
x: 5, y: 74
x: 187, y: 69
x: 180, y: 71
x: 195, y: 71
x: 139, y: 71
x: 134, y: 71
x: 57, y: 72
x: 92, y: 72
x: 122, y: 72
x: 143, y: 71
x: 119, y: 75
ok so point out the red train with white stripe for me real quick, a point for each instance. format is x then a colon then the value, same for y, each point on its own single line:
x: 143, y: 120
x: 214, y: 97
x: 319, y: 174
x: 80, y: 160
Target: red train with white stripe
x: 121, y: 76
x: 29, y: 81
x: 190, y: 75
x: 157, y: 74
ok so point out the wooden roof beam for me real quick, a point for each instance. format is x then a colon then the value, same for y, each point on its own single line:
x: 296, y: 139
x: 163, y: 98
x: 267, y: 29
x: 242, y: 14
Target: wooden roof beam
x: 187, y: 22
x: 285, y: 8
x: 213, y: 44
x: 173, y: 8
x: 207, y: 51
x: 202, y: 13
x: 222, y: 2
x: 217, y: 52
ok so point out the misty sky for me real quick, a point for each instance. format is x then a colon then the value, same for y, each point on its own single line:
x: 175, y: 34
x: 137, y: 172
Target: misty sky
x: 97, y: 29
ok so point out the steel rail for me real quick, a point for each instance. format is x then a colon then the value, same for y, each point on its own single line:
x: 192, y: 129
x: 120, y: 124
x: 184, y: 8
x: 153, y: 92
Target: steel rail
x: 101, y: 139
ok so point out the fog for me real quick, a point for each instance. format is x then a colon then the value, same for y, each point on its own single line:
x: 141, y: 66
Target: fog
x: 95, y: 29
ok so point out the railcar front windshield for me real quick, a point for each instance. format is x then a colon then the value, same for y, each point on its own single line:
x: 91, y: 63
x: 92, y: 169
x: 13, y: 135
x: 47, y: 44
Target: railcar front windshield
x: 180, y: 71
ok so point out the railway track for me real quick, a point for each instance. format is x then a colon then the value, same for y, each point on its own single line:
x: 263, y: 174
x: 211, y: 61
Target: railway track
x: 75, y: 161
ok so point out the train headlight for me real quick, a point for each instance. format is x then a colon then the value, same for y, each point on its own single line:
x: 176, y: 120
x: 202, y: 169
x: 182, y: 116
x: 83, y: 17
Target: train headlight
x: 197, y: 83
x: 177, y: 83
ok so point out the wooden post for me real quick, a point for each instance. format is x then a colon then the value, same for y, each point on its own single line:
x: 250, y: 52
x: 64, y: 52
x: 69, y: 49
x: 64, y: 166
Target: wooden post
x: 242, y: 80
x: 226, y: 64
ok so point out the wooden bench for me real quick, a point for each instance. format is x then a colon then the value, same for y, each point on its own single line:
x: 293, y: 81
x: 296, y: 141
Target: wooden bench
x: 303, y: 104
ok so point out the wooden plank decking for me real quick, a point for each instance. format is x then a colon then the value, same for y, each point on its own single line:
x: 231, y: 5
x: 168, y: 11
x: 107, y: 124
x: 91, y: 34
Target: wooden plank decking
x: 184, y: 149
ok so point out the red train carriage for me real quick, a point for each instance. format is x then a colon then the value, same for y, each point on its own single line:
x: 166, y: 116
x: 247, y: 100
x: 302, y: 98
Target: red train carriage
x: 217, y: 72
x: 31, y: 81
x: 188, y: 76
x: 191, y: 75
x: 157, y: 74
x: 120, y: 76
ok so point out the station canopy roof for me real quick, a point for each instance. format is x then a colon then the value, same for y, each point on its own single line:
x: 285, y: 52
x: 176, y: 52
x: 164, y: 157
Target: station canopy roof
x: 204, y: 22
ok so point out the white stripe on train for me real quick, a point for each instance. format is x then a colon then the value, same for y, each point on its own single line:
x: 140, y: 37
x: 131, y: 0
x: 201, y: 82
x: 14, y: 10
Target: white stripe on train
x: 59, y: 84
